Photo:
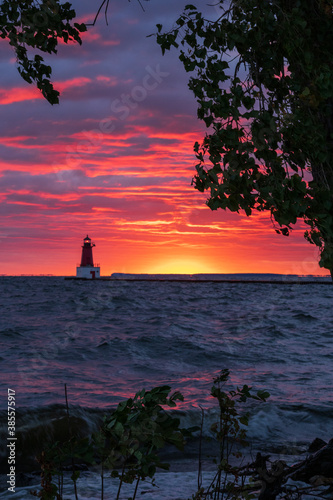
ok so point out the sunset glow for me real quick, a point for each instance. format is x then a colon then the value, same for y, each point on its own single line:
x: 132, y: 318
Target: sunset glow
x: 115, y: 160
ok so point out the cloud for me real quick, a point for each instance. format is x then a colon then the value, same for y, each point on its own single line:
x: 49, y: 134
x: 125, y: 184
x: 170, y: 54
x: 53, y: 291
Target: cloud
x: 115, y: 159
x: 18, y: 94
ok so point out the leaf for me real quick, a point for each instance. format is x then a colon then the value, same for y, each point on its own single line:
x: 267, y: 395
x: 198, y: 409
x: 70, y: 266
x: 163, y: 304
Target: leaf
x: 158, y: 441
x: 75, y: 476
x: 262, y: 394
x: 244, y: 420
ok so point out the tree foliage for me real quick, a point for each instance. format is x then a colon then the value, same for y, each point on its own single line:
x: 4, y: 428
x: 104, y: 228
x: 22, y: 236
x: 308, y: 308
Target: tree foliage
x: 31, y: 25
x: 34, y: 26
x: 262, y: 74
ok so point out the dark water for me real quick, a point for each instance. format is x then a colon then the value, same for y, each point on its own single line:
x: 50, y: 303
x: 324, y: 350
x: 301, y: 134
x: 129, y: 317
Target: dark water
x: 107, y: 340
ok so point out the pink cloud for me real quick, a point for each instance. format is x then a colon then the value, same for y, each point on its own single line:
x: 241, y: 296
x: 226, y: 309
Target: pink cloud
x: 18, y: 94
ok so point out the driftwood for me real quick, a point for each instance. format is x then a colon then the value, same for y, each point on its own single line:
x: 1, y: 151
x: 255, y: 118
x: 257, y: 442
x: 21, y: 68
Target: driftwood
x: 272, y: 479
x: 316, y: 470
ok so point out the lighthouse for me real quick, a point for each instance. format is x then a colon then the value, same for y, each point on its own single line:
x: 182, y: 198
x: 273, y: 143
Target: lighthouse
x: 87, y: 269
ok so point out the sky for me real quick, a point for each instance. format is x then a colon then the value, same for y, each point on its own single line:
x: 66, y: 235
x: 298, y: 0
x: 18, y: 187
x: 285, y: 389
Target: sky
x: 115, y: 160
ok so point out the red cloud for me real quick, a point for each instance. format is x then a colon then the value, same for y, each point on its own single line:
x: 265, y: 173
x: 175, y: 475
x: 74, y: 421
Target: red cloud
x: 80, y: 81
x: 18, y: 94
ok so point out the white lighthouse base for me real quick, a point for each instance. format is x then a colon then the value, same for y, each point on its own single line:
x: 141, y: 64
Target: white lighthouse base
x: 88, y: 272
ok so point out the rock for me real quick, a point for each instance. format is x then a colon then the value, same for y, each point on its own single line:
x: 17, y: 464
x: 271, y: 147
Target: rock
x: 321, y: 480
x: 317, y: 464
x: 316, y: 445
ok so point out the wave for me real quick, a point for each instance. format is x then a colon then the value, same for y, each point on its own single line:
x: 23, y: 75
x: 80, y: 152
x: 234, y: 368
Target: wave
x: 283, y: 429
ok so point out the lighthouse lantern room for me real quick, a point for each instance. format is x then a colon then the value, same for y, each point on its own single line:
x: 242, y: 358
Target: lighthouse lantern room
x: 87, y: 269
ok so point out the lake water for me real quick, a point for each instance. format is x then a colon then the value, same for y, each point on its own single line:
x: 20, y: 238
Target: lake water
x: 108, y: 339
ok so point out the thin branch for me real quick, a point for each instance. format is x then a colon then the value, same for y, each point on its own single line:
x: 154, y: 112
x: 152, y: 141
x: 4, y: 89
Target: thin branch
x: 71, y: 443
x: 106, y: 11
x: 140, y: 4
x: 136, y: 488
x: 98, y: 12
x: 121, y: 478
x: 200, y: 449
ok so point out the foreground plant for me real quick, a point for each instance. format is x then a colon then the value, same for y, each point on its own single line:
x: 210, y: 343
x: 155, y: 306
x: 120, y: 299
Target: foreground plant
x: 127, y: 445
x: 230, y: 433
x: 57, y: 458
x: 130, y: 439
x: 132, y: 436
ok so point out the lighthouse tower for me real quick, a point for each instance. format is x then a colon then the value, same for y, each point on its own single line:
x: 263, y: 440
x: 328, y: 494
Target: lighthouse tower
x: 87, y: 269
